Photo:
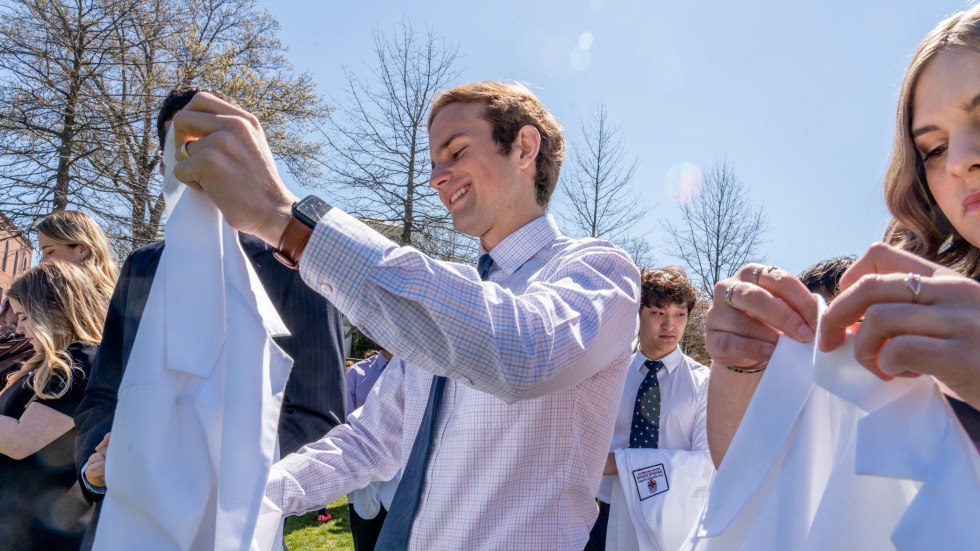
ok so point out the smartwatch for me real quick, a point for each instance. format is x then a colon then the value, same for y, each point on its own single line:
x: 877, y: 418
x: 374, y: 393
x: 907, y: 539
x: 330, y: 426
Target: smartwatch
x: 306, y: 214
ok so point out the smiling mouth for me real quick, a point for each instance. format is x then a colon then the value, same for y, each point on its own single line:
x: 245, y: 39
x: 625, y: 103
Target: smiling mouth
x: 461, y: 192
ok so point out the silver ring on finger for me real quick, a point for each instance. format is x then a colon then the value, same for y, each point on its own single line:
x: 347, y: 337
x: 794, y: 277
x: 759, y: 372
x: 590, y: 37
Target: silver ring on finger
x: 728, y: 295
x: 756, y: 272
x: 914, y: 284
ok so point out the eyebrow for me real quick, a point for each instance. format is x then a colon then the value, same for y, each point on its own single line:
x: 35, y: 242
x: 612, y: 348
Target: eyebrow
x: 968, y: 107
x: 972, y: 104
x: 445, y: 144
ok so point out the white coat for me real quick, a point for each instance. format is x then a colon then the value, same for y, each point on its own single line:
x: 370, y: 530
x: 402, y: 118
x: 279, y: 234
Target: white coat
x: 194, y: 432
x: 829, y: 457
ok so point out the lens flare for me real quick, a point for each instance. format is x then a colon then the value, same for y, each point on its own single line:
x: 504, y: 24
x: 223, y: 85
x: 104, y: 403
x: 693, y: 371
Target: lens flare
x: 683, y: 182
x: 581, y: 55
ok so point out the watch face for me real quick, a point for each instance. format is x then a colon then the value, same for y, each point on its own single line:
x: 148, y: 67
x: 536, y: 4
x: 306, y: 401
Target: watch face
x: 311, y: 209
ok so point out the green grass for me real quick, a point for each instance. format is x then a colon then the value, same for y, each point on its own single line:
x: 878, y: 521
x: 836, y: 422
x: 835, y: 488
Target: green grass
x: 306, y: 534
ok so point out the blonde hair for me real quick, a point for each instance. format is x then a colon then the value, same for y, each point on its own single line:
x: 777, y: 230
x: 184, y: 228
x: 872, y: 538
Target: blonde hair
x: 73, y: 228
x: 63, y: 307
x: 919, y: 226
x: 509, y: 107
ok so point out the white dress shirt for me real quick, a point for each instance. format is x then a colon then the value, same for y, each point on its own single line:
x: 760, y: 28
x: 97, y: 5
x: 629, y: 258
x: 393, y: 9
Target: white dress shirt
x: 683, y: 405
x: 535, y: 358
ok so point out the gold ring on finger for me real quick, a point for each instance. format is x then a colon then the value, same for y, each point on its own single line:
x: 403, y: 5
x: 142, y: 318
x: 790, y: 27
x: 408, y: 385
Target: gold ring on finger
x: 184, y: 155
x: 914, y: 283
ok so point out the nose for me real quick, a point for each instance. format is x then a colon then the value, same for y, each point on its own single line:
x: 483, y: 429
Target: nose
x: 963, y: 155
x: 438, y: 177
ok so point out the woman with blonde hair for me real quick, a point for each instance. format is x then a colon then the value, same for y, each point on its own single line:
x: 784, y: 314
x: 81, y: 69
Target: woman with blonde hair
x: 917, y: 297
x: 74, y: 237
x: 61, y: 315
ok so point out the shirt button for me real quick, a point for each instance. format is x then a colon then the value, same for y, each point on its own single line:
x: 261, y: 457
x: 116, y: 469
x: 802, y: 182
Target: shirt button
x: 326, y: 288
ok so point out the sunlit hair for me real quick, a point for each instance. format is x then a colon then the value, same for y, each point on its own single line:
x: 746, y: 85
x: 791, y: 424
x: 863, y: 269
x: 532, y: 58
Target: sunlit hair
x: 823, y: 278
x: 63, y: 307
x: 661, y: 287
x: 510, y: 107
x: 74, y: 228
x: 919, y: 226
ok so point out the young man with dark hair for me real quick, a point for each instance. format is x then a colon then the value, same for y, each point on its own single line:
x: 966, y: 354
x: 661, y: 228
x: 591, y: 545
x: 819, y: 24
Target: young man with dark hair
x: 313, y: 400
x: 499, y: 403
x: 664, y: 399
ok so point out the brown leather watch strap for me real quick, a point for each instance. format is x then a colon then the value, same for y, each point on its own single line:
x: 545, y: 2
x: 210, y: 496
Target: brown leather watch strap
x: 292, y: 243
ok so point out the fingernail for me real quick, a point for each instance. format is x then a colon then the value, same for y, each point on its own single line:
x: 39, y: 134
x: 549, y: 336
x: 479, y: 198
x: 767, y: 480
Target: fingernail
x: 768, y: 349
x: 805, y: 332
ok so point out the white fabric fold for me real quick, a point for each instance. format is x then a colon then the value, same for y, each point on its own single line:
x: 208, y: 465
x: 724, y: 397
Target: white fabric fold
x: 658, y: 517
x: 829, y: 457
x: 194, y: 433
x: 368, y: 500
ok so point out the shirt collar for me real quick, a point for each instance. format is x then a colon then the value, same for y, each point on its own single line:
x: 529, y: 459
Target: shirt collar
x: 517, y: 248
x: 671, y: 361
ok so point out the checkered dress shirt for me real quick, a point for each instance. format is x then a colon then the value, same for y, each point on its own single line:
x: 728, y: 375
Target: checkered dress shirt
x: 535, y: 356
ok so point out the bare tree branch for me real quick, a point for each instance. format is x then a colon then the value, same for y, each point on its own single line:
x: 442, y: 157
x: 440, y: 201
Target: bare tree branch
x: 81, y: 82
x: 720, y: 230
x: 597, y: 189
x: 379, y: 143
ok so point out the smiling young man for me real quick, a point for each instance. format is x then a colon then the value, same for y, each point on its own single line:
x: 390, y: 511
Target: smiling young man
x: 499, y: 404
x: 664, y: 400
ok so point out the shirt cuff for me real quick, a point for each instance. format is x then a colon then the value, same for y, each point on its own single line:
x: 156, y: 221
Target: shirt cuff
x: 275, y: 486
x: 88, y: 486
x: 339, y: 256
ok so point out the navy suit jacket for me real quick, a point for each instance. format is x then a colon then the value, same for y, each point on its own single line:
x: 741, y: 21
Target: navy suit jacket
x: 313, y: 402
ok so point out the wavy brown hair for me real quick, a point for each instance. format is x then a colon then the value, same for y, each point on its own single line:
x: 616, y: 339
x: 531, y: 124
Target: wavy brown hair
x: 510, y: 107
x: 63, y: 307
x: 918, y: 225
x: 661, y: 287
x: 74, y: 228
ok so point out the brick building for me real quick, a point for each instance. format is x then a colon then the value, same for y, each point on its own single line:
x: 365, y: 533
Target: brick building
x: 15, y: 253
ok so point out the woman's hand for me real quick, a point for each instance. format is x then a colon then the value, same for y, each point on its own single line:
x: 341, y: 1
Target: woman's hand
x: 919, y: 318
x: 748, y: 314
x: 751, y: 310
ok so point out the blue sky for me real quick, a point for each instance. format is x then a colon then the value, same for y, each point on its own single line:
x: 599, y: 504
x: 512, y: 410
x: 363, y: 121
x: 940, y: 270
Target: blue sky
x: 798, y: 97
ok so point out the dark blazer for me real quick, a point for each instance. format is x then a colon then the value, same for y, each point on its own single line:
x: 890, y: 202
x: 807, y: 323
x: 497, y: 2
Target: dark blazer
x: 313, y: 402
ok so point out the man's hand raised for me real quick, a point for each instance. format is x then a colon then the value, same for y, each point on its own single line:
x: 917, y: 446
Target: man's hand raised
x: 229, y: 159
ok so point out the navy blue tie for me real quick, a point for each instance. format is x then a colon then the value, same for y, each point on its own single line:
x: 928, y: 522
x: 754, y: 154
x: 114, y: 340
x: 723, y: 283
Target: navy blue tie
x: 397, y: 527
x: 645, y: 431
x: 484, y: 265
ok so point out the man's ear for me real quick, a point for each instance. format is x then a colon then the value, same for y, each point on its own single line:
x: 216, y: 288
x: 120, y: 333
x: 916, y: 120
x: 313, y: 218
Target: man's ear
x: 528, y: 143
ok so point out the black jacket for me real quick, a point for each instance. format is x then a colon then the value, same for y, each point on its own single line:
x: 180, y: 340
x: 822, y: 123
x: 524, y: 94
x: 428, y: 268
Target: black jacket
x: 313, y: 401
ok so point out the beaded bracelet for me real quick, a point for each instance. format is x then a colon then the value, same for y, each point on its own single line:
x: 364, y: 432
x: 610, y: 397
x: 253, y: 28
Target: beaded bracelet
x: 740, y: 370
